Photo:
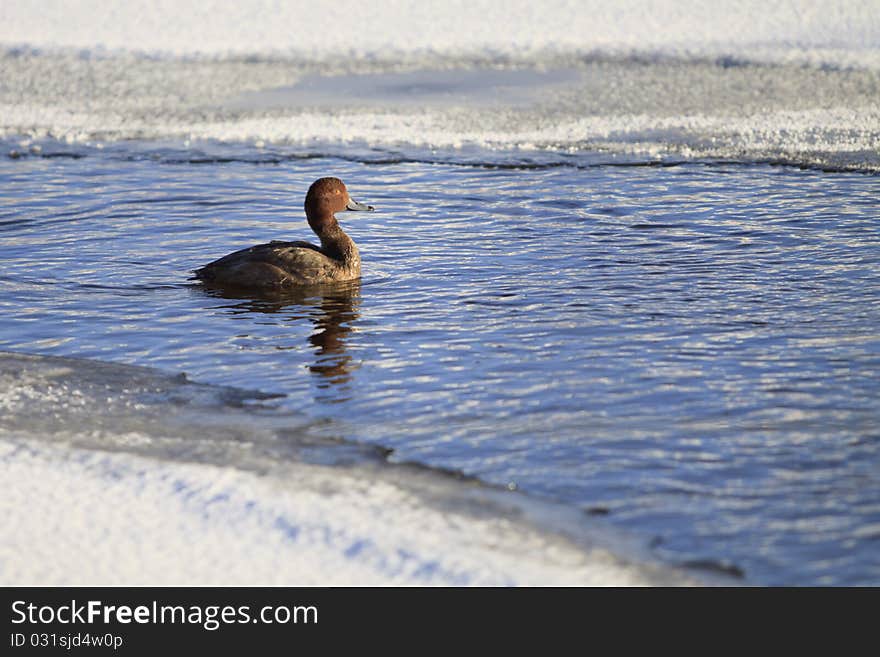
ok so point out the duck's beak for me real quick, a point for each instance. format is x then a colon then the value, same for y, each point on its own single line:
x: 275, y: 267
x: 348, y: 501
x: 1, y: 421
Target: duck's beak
x: 355, y: 206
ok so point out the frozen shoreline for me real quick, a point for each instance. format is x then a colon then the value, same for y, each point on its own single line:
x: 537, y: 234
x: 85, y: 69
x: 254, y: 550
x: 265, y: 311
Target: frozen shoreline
x: 76, y: 513
x: 654, y: 80
x: 76, y: 517
x: 592, y: 111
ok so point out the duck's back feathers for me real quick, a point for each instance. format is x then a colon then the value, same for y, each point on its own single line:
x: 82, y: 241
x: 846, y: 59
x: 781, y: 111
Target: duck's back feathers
x: 275, y: 265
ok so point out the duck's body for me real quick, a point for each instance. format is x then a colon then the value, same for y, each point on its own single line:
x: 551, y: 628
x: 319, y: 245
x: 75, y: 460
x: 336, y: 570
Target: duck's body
x: 279, y: 265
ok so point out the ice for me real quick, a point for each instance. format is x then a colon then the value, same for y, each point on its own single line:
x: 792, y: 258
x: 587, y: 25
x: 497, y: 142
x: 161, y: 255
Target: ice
x: 841, y: 31
x: 678, y: 110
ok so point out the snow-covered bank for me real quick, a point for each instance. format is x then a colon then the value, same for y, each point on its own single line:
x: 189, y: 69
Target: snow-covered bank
x: 839, y: 31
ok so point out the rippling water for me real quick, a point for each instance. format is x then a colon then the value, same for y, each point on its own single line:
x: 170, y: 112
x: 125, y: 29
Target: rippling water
x: 691, y: 350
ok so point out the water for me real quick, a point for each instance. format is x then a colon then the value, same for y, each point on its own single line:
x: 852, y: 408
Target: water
x: 690, y: 349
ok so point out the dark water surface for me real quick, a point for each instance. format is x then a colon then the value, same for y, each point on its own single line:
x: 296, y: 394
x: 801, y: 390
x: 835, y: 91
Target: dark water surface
x: 692, y: 349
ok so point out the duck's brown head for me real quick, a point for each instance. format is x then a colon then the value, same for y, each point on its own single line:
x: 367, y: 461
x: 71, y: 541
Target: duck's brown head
x: 326, y: 197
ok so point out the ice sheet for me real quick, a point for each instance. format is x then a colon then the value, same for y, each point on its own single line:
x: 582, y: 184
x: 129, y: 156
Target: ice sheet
x: 841, y: 31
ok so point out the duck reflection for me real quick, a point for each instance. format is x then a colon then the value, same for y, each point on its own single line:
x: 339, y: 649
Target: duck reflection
x: 332, y: 326
x: 332, y: 309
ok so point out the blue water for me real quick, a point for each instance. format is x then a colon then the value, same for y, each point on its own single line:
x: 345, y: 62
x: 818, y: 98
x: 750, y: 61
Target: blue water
x: 691, y: 351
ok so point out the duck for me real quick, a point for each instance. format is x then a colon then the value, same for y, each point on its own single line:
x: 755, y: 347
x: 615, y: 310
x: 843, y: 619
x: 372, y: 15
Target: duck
x: 281, y: 265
